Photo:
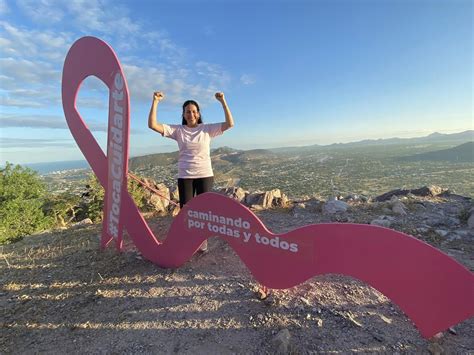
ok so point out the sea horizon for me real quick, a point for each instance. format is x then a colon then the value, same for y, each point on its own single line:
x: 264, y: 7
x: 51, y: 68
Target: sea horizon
x: 44, y: 168
x: 49, y: 167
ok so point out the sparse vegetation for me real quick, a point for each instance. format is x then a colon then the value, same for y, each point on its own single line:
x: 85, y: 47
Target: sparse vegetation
x: 22, y: 196
x: 26, y: 206
x: 368, y: 170
x: 362, y: 169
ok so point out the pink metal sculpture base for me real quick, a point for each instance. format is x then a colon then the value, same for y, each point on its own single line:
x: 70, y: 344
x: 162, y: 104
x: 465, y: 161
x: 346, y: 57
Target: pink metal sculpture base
x: 433, y: 290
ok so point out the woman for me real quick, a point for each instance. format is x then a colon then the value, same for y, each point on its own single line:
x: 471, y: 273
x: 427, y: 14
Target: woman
x: 195, y: 175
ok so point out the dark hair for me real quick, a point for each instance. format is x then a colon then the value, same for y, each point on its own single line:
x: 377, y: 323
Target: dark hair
x: 190, y: 102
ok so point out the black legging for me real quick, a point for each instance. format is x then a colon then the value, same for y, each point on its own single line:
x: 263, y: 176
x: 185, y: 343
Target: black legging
x: 188, y: 188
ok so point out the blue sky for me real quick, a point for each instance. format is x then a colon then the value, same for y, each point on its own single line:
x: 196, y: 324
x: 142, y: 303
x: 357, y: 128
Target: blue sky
x: 294, y: 72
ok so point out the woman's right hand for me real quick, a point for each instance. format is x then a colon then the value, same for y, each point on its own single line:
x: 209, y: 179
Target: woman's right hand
x: 158, y: 96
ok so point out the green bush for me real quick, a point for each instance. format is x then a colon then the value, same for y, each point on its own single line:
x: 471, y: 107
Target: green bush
x: 93, y: 198
x: 63, y: 208
x: 22, y: 195
x: 26, y: 208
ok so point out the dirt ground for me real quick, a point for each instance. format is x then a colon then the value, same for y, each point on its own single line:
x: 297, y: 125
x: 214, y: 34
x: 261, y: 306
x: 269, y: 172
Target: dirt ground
x: 61, y: 294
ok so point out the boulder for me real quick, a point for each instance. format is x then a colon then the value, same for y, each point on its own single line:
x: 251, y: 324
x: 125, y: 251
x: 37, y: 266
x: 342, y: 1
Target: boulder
x: 388, y: 195
x: 174, y: 194
x: 335, y: 206
x: 237, y: 193
x: 83, y: 223
x: 269, y: 196
x: 383, y: 221
x: 253, y: 198
x: 157, y: 202
x: 431, y: 190
x: 267, y: 199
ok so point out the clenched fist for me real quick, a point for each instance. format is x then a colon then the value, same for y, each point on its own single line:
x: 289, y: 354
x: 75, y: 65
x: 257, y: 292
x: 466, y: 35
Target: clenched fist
x: 220, y: 97
x: 158, y: 96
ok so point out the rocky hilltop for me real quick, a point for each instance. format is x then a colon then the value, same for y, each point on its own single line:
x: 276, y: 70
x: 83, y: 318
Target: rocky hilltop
x: 61, y: 292
x: 424, y: 212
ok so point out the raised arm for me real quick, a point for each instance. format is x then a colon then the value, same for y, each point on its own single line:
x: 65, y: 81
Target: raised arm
x: 229, y: 120
x: 152, y: 122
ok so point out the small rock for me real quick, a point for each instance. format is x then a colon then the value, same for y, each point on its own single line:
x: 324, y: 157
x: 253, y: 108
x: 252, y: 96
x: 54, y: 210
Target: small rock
x: 470, y: 221
x: 453, y: 236
x: 84, y: 222
x: 422, y: 230
x: 352, y: 197
x: 378, y: 337
x: 298, y: 208
x: 281, y: 342
x: 399, y: 208
x: 381, y: 222
x: 441, y: 232
x: 463, y: 234
x: 435, y: 349
x: 353, y: 319
x: 452, y: 222
x: 385, y: 319
x: 305, y: 301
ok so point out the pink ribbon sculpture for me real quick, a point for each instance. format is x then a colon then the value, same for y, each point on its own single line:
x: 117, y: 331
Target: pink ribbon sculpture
x: 433, y: 290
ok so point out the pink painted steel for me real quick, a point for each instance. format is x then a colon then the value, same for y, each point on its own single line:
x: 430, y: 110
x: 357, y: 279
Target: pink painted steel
x: 91, y: 56
x: 433, y: 290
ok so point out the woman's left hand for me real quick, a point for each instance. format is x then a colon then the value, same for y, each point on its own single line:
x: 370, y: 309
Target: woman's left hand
x: 220, y: 97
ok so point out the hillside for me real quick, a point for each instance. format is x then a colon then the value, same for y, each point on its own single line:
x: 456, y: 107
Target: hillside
x: 431, y: 139
x: 159, y: 159
x: 460, y: 153
x: 60, y: 293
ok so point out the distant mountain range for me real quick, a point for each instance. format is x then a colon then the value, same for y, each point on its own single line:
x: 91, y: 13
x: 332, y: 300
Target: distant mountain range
x: 226, y: 155
x: 436, y: 137
x: 460, y: 153
x: 433, y: 138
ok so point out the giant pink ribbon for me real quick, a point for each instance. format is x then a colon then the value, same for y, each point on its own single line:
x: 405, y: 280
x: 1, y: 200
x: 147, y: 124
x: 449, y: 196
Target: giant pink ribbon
x: 433, y: 290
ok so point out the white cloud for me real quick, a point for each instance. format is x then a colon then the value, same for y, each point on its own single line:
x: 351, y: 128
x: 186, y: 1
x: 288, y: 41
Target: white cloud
x: 35, y: 143
x: 20, y: 42
x: 217, y: 77
x: 41, y: 11
x: 86, y: 15
x: 247, y: 79
x: 31, y: 59
x: 18, y: 102
x: 40, y: 121
x: 168, y: 50
x: 177, y: 83
x: 32, y: 97
x: 28, y: 71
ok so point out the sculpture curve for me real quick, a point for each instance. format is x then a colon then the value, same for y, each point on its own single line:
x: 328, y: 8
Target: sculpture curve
x: 433, y: 290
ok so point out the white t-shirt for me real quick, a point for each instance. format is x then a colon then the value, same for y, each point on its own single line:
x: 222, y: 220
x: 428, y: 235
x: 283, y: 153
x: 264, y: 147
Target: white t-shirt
x: 194, y: 148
